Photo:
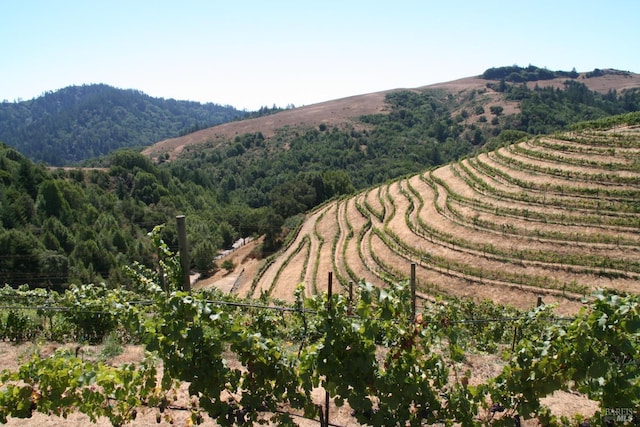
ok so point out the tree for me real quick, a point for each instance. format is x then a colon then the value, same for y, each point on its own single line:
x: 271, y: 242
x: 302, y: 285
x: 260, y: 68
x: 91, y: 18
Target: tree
x: 20, y: 260
x: 228, y: 265
x: 28, y: 178
x: 270, y: 225
x: 51, y: 202
x: 147, y: 188
x: 228, y: 234
x: 16, y: 208
x: 94, y: 256
x: 292, y: 197
x: 337, y: 182
x: 478, y: 138
x: 202, y: 255
x: 128, y: 160
x: 54, y: 268
x: 496, y: 110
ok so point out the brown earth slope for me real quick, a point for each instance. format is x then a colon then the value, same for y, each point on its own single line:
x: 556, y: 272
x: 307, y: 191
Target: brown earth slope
x: 331, y: 113
x: 345, y: 111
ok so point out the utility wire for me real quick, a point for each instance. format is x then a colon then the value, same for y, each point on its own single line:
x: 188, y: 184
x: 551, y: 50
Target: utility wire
x: 278, y: 308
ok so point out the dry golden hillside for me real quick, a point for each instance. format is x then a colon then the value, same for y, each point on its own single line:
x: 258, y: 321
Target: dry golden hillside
x: 346, y: 111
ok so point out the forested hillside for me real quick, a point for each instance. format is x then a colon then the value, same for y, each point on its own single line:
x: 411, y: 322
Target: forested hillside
x: 81, y: 122
x: 80, y: 226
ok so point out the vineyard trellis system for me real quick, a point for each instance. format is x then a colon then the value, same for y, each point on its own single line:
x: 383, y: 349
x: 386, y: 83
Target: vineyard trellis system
x: 375, y: 350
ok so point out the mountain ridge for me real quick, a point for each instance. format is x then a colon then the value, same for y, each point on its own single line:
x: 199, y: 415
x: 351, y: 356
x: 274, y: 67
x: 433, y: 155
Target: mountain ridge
x: 77, y: 123
x: 347, y: 110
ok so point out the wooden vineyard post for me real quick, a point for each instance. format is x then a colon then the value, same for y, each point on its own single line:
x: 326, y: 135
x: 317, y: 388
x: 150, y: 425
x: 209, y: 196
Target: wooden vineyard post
x: 184, y: 252
x: 330, y: 295
x: 329, y: 319
x: 413, y: 291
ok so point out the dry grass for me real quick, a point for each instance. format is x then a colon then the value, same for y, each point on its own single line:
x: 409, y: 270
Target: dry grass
x: 345, y: 111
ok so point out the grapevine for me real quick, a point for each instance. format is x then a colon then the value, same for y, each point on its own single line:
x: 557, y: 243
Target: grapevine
x: 367, y: 353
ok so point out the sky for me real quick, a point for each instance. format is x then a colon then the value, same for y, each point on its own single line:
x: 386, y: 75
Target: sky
x: 255, y: 53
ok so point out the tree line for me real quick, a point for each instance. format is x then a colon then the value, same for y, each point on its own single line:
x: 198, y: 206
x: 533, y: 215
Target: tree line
x: 530, y: 73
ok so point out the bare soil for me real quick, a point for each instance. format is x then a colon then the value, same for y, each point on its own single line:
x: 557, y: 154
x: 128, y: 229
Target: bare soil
x: 331, y: 113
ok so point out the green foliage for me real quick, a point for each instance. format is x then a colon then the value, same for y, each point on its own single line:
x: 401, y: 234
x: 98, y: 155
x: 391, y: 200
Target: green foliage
x: 630, y: 119
x: 401, y: 387
x: 545, y: 110
x: 506, y: 137
x: 367, y: 352
x: 52, y: 203
x: 111, y: 346
x: 228, y: 265
x: 418, y: 132
x: 202, y: 254
x: 94, y: 310
x: 292, y: 197
x: 82, y: 122
x: 130, y: 161
x: 496, y: 110
x: 525, y: 74
x: 596, y: 354
x: 20, y: 260
x: 19, y: 326
x: 91, y: 224
x: 64, y: 383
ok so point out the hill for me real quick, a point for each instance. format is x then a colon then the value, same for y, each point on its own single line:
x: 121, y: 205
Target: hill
x: 518, y: 214
x: 83, y: 225
x: 339, y: 112
x: 553, y: 216
x: 295, y: 160
x: 472, y: 94
x: 81, y: 122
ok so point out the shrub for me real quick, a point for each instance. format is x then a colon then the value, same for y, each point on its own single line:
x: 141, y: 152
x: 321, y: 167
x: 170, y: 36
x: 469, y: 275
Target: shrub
x: 228, y: 265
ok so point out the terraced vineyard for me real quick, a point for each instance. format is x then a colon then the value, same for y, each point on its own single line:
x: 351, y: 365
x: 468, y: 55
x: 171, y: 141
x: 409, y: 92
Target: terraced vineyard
x: 553, y: 216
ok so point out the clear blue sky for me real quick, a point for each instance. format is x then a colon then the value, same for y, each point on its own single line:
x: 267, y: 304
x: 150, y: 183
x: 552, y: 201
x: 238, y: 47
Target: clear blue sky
x: 257, y: 52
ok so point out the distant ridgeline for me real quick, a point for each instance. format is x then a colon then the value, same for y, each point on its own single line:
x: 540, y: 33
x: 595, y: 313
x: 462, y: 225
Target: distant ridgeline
x: 82, y: 122
x: 532, y: 73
